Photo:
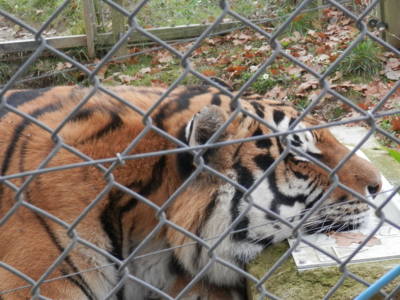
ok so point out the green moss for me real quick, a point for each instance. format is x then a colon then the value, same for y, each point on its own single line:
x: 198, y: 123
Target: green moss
x: 288, y: 283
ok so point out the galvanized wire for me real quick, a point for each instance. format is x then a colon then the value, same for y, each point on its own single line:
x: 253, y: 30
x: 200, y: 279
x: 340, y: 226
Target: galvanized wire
x: 308, y: 216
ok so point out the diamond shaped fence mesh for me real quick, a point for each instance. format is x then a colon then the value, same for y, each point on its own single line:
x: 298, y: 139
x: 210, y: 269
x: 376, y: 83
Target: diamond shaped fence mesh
x: 203, y: 199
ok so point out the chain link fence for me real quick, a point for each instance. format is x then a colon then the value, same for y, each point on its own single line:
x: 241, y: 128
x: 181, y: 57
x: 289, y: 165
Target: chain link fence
x: 125, y: 278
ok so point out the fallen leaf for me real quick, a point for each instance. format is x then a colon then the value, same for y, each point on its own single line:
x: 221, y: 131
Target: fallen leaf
x: 364, y: 105
x: 209, y: 73
x: 393, y: 75
x: 236, y: 68
x: 126, y: 78
x: 63, y: 65
x: 395, y: 122
x: 145, y: 70
x: 248, y: 54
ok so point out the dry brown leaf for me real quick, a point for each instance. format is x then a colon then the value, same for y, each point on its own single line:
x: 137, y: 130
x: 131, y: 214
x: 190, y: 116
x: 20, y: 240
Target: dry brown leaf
x: 277, y: 93
x: 209, y: 73
x: 236, y: 68
x: 364, y: 105
x: 312, y: 84
x: 248, y: 54
x: 395, y: 122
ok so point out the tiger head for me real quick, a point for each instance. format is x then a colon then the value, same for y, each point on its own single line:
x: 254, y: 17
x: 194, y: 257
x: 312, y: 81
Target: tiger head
x: 257, y: 191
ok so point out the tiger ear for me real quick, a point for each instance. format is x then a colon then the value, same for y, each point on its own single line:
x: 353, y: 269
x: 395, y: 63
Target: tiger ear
x: 204, y: 124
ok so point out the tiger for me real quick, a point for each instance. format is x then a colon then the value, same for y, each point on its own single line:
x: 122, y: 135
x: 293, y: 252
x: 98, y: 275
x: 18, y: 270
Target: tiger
x: 137, y: 193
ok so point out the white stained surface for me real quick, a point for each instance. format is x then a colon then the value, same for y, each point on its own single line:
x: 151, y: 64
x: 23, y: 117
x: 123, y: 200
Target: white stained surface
x: 384, y: 245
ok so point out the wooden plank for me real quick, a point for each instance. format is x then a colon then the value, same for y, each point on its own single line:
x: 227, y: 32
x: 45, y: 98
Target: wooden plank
x: 390, y: 16
x: 60, y: 42
x: 106, y: 39
x: 171, y: 33
x: 118, y: 28
x: 89, y: 17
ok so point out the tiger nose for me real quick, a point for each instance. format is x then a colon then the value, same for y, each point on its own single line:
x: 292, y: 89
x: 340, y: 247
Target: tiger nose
x: 374, y: 188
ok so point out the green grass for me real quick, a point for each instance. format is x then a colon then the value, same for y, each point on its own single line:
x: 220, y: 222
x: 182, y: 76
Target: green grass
x: 304, y: 22
x: 363, y: 61
x: 36, y: 12
x: 393, y: 153
x: 183, y: 12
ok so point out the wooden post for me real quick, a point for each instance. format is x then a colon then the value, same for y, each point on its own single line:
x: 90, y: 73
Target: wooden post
x: 118, y: 28
x: 390, y: 10
x: 89, y: 16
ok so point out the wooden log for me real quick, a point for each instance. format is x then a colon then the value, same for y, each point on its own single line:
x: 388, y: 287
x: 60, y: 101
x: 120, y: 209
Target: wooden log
x: 107, y: 39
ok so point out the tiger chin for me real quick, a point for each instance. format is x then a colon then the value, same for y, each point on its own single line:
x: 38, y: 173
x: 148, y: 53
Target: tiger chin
x: 135, y: 235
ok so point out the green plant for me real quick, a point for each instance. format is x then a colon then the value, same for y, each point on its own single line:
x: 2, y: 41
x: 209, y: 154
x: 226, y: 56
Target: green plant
x: 262, y: 84
x: 301, y: 103
x: 385, y: 124
x: 362, y: 61
x: 303, y: 22
x: 393, y: 153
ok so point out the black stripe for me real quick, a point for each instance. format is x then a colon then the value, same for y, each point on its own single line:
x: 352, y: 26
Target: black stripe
x: 175, y: 266
x: 77, y: 279
x: 156, y: 178
x: 297, y: 139
x: 246, y: 179
x: 233, y: 104
x: 280, y: 198
x: 152, y: 185
x: 82, y: 115
x: 291, y: 121
x: 265, y: 242
x: 315, y: 155
x: 115, y: 123
x: 18, y: 131
x: 190, y: 132
x: 298, y: 174
x: 241, y: 229
x: 263, y: 161
x: 180, y: 103
x: 258, y: 108
x: 184, y: 160
x: 278, y: 116
x: 280, y: 148
x: 18, y: 98
x: 216, y: 99
x: 264, y: 143
x: 111, y: 220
